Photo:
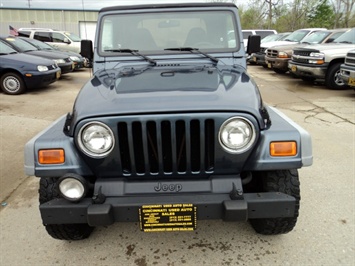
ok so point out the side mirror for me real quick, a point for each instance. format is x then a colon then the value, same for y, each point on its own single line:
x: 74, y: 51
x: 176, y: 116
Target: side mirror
x: 86, y: 49
x: 66, y: 40
x: 253, y: 44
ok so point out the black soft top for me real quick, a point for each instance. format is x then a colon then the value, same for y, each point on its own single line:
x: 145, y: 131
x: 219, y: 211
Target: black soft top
x: 177, y: 5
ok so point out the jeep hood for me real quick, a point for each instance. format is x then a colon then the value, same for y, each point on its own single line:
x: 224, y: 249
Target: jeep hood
x: 161, y: 89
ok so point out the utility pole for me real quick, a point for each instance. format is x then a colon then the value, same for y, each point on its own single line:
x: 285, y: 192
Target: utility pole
x: 29, y: 3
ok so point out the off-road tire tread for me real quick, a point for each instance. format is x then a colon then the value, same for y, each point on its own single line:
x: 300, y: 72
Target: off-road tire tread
x: 47, y: 191
x: 285, y: 181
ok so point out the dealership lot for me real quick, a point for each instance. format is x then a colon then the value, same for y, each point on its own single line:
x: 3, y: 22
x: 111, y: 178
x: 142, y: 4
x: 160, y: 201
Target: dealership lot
x: 324, y: 234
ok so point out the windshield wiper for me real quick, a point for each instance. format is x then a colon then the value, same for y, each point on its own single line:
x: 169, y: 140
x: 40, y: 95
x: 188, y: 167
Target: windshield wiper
x: 133, y: 52
x: 345, y: 42
x: 193, y: 50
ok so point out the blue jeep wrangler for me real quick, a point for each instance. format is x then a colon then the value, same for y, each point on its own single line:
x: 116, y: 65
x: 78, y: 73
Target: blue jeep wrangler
x: 170, y: 130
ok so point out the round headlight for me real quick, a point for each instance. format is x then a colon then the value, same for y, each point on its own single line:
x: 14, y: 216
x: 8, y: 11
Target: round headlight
x: 237, y: 135
x: 96, y: 139
x: 42, y: 68
x: 72, y: 187
x: 59, y: 61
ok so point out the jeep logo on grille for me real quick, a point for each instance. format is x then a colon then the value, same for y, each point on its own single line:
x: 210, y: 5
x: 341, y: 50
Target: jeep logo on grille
x: 168, y: 187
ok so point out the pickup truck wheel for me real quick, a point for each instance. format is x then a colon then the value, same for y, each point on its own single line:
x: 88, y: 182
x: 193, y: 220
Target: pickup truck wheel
x: 285, y: 181
x: 48, y: 190
x: 333, y: 79
x: 12, y: 83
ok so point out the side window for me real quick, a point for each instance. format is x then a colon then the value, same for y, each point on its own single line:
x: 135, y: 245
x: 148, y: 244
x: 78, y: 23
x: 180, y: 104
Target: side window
x: 334, y: 36
x: 24, y: 34
x: 42, y: 36
x: 57, y: 37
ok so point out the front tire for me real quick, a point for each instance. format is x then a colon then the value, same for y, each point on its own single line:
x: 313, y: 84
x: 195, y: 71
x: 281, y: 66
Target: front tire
x: 284, y: 181
x: 48, y: 190
x: 12, y: 83
x: 333, y: 79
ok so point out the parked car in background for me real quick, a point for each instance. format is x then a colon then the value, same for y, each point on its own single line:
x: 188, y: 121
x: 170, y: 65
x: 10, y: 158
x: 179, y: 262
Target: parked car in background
x: 78, y: 60
x: 261, y: 33
x: 295, y: 37
x: 277, y: 57
x: 63, y: 61
x: 63, y: 40
x: 347, y: 70
x: 323, y: 61
x: 275, y: 37
x: 269, y: 38
x: 19, y: 72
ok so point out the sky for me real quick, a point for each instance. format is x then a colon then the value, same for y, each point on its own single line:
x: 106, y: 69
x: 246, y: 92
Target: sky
x: 78, y: 4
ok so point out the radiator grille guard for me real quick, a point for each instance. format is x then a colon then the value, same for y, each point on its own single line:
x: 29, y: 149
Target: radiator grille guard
x: 166, y: 147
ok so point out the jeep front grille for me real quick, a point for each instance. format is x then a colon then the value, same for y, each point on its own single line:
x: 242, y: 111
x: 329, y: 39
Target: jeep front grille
x: 166, y: 147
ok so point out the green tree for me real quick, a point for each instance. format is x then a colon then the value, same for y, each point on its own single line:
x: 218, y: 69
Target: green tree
x: 322, y: 15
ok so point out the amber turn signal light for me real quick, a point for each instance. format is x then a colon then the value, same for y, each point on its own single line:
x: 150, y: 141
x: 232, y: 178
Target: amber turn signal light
x: 283, y: 148
x: 53, y: 156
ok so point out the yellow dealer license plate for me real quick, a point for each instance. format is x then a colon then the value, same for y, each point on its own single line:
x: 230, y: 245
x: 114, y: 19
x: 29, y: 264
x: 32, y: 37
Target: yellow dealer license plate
x: 57, y: 74
x: 351, y: 81
x: 167, y: 217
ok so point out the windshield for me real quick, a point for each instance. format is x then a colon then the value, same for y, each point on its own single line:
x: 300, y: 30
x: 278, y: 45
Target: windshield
x: 297, y: 35
x: 40, y: 45
x: 316, y: 37
x: 155, y: 32
x: 271, y: 38
x: 347, y: 37
x: 5, y: 49
x: 21, y: 44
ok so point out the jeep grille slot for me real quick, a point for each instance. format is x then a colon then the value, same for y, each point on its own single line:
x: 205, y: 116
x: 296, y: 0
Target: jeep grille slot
x: 166, y: 147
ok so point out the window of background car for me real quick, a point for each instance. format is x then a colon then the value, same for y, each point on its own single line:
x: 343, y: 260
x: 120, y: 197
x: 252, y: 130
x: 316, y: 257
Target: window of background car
x: 42, y: 36
x: 24, y: 33
x: 21, y: 45
x: 6, y: 49
x: 57, y: 37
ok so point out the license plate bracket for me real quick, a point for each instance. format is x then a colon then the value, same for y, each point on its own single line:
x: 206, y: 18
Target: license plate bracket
x: 168, y: 217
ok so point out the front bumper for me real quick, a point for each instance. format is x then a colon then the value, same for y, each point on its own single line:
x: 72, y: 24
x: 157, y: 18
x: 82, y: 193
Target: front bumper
x: 66, y: 67
x: 302, y: 70
x: 41, y: 79
x: 347, y: 73
x: 214, y: 204
x: 279, y: 63
x: 258, y: 58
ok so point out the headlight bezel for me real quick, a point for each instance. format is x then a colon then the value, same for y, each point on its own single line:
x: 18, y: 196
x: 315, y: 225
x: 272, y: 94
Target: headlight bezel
x: 89, y: 151
x: 242, y: 148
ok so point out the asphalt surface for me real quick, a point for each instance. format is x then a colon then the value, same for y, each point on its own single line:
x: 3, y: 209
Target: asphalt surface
x: 324, y: 234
